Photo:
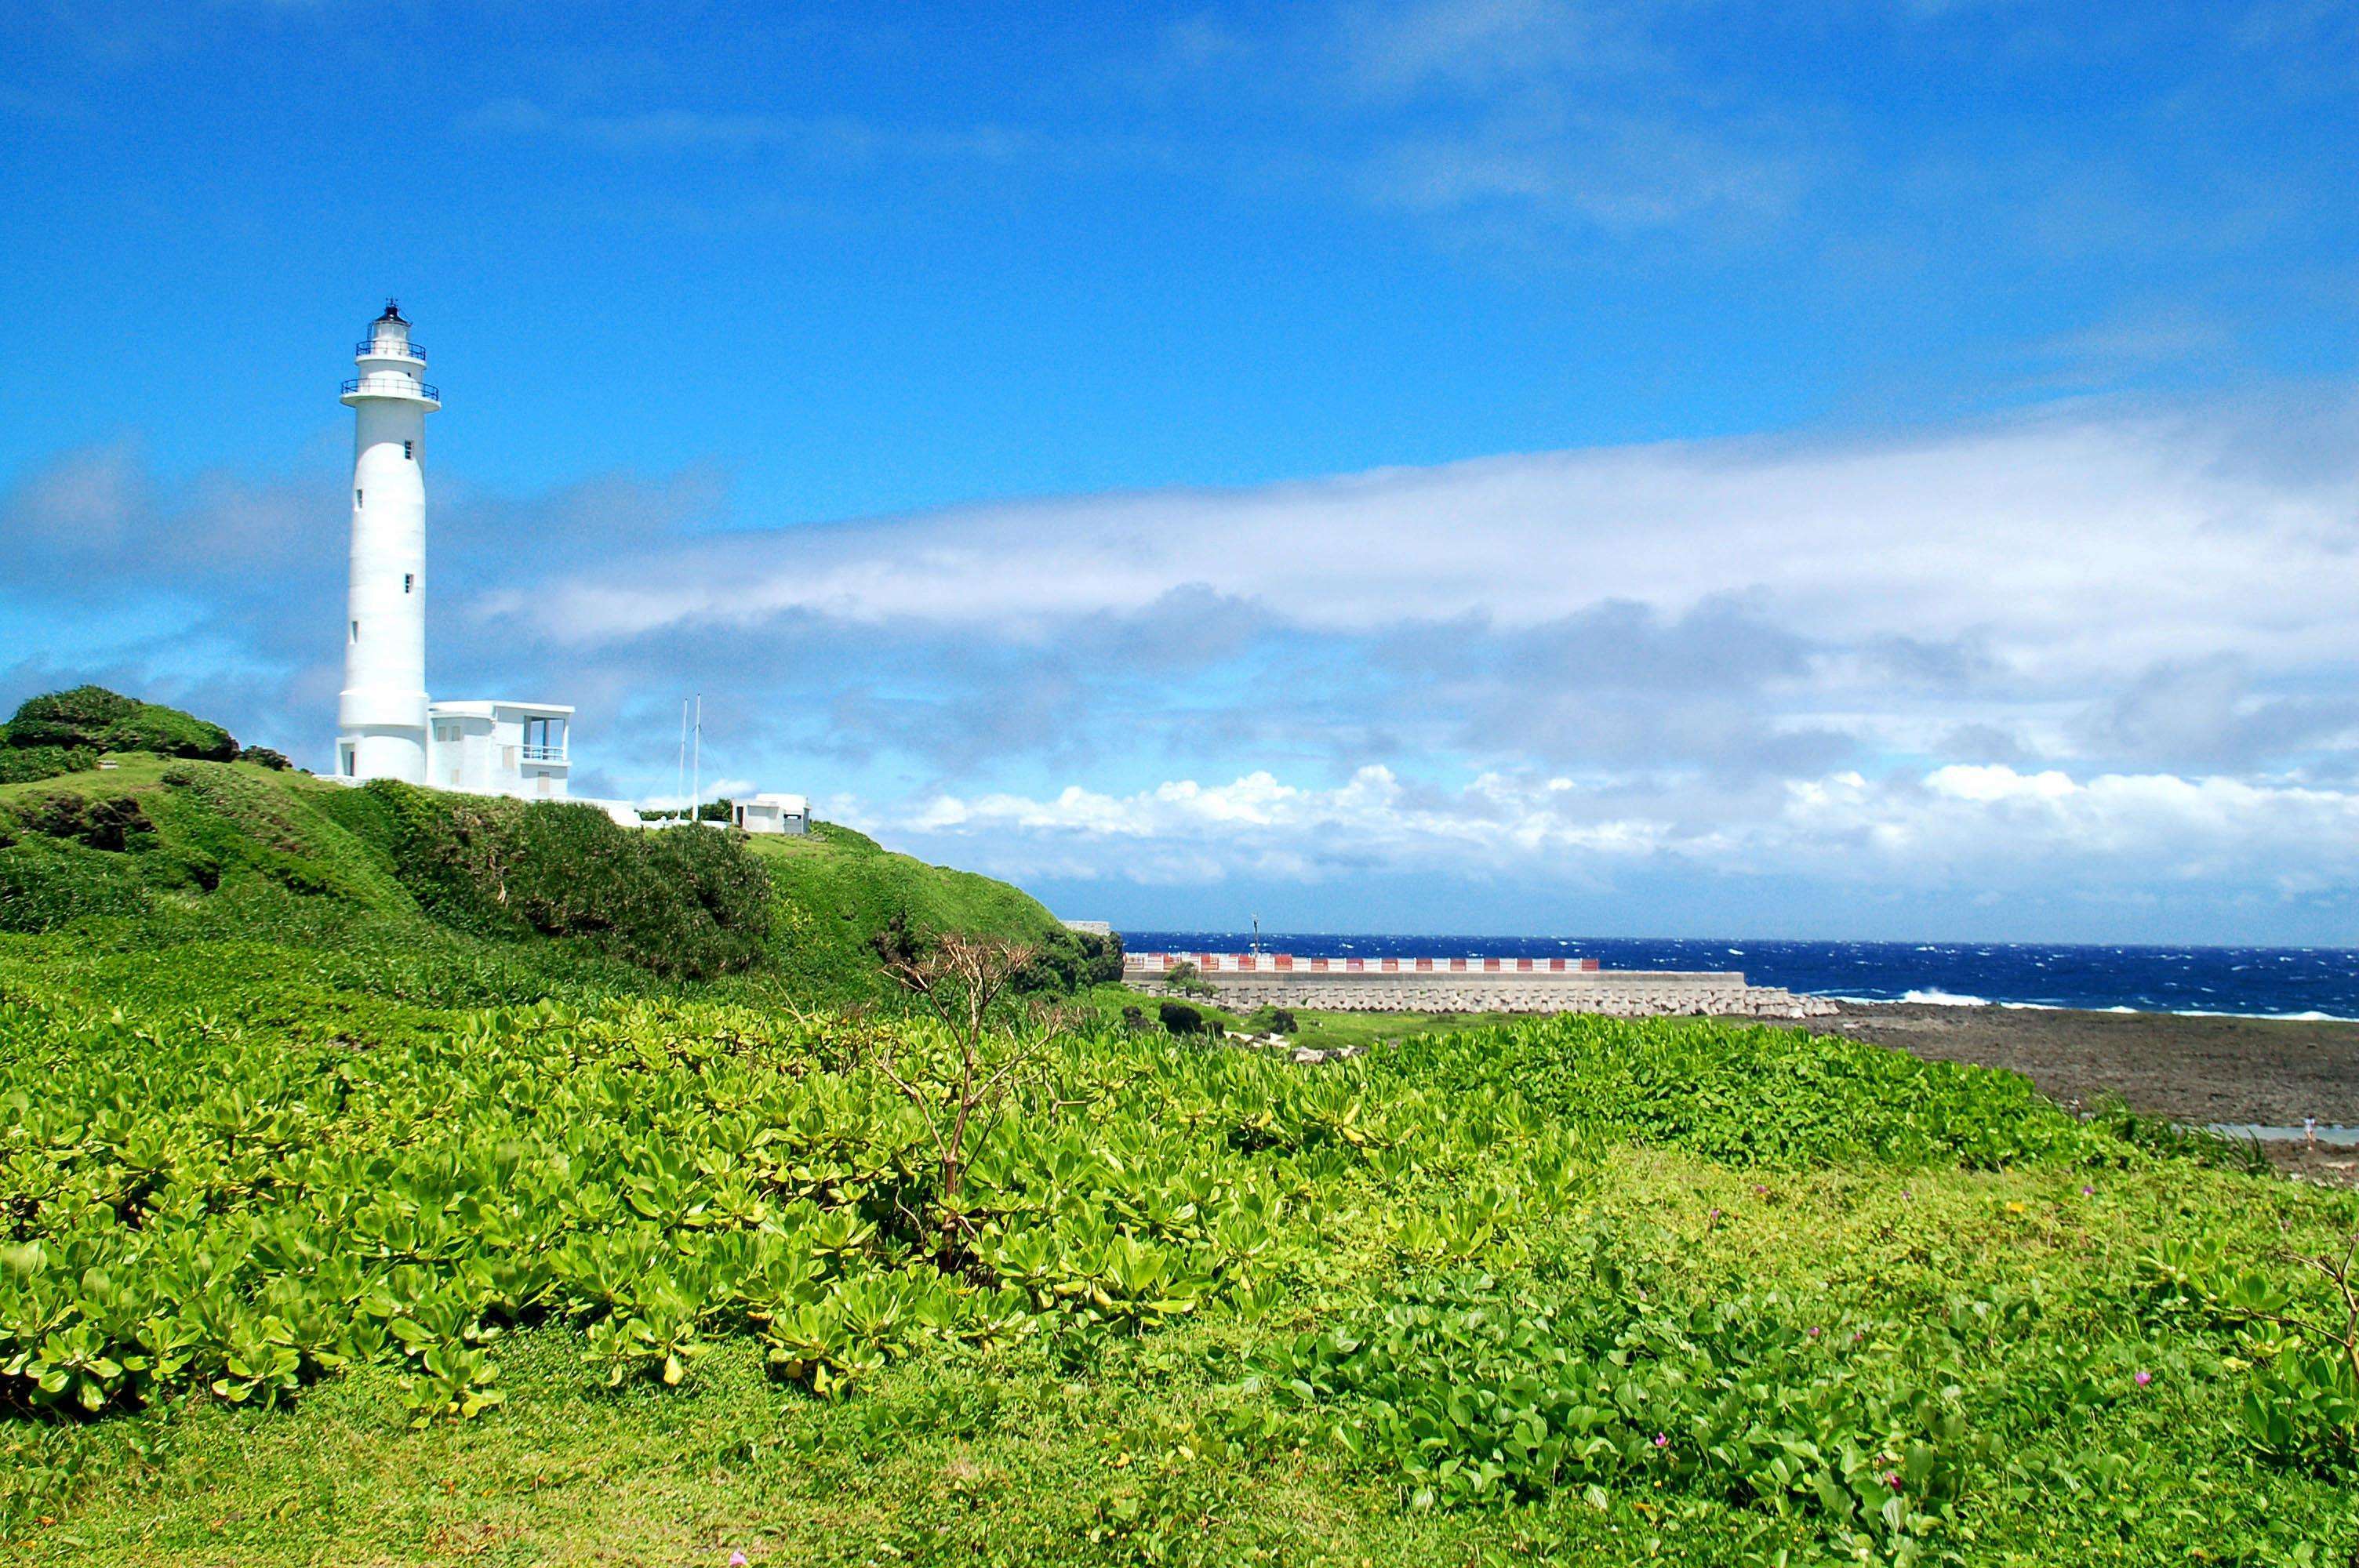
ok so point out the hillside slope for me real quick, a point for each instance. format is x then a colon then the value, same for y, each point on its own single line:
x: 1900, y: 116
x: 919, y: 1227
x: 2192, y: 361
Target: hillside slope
x: 528, y: 899
x: 836, y: 888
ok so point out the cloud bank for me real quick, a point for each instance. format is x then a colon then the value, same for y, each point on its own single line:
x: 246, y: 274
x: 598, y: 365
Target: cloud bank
x: 2105, y: 645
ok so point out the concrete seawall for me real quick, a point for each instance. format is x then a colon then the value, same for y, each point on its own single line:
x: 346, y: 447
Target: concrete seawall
x: 1628, y: 993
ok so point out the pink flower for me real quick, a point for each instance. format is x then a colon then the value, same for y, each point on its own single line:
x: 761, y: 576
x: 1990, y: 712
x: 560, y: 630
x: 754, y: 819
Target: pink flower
x: 1892, y: 1479
x: 1662, y: 1441
x: 2143, y: 1379
x: 736, y: 1560
x: 1814, y: 1331
x: 2088, y: 1191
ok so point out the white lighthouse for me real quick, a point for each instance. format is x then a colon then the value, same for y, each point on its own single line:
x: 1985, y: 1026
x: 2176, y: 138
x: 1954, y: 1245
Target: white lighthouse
x: 386, y: 727
x: 381, y: 713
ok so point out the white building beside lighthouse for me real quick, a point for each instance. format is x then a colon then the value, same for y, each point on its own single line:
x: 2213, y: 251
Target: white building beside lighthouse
x: 386, y: 726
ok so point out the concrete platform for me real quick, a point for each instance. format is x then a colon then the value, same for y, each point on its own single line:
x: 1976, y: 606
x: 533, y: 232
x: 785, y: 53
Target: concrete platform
x: 1626, y: 993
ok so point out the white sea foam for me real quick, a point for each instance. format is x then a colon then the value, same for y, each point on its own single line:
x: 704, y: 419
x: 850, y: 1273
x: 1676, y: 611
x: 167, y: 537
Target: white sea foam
x: 1945, y: 999
x: 2312, y: 1017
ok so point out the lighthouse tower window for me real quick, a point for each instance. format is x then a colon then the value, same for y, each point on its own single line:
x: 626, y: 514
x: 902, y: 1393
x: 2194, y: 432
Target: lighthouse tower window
x: 409, y: 450
x: 407, y: 578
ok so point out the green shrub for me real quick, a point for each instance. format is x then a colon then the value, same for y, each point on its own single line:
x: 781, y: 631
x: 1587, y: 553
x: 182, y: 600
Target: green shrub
x: 167, y: 731
x: 90, y: 719
x: 1758, y: 1095
x: 106, y: 822
x: 76, y: 718
x: 265, y: 757
x: 683, y: 901
x: 1072, y: 961
x: 1179, y: 1018
x: 1475, y: 1392
x: 25, y: 764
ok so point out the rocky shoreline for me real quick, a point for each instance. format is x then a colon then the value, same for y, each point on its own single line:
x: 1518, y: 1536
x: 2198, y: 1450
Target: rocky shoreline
x: 2202, y: 1071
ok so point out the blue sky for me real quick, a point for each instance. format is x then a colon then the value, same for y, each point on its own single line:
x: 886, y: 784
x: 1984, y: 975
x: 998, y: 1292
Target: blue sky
x: 1470, y: 465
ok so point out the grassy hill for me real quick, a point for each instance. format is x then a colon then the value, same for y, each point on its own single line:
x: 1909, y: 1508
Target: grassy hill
x: 836, y: 888
x: 524, y: 899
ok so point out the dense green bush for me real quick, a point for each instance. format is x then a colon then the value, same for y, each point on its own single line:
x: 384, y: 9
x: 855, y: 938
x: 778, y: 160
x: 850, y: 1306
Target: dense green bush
x: 167, y: 731
x: 1179, y: 1018
x: 1073, y: 960
x: 683, y: 901
x: 75, y: 717
x: 1759, y: 1095
x: 90, y: 719
x: 178, y: 1214
x: 1480, y: 1391
x: 28, y: 765
x: 100, y: 822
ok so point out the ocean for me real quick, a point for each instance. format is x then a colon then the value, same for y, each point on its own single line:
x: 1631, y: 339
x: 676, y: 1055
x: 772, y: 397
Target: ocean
x: 2259, y: 983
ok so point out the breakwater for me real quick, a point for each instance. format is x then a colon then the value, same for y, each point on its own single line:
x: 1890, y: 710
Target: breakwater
x: 1473, y: 984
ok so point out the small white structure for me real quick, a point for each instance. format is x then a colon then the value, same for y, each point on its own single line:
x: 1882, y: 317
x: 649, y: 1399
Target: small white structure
x: 501, y: 748
x: 775, y: 814
x: 385, y: 727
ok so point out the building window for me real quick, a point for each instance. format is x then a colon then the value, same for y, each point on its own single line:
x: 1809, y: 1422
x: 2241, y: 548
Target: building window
x: 407, y: 578
x: 357, y: 498
x: 356, y: 630
x: 409, y: 450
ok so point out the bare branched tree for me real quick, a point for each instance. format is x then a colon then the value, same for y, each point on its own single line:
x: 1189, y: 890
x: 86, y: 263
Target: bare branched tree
x: 994, y: 1050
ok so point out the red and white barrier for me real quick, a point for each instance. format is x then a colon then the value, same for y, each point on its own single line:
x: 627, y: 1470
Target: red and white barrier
x: 1286, y: 963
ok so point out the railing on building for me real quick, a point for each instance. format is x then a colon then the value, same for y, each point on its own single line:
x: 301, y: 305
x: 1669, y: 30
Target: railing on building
x: 394, y: 386
x: 544, y: 753
x: 391, y: 348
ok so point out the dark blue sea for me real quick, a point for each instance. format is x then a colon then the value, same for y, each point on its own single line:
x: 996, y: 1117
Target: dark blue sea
x: 2260, y: 982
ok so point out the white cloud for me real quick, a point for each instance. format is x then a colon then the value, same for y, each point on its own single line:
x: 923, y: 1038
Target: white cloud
x: 2072, y: 545
x: 1954, y: 826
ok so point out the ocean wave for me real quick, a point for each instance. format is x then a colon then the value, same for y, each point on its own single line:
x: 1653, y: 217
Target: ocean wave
x: 1945, y: 999
x: 2308, y: 1017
